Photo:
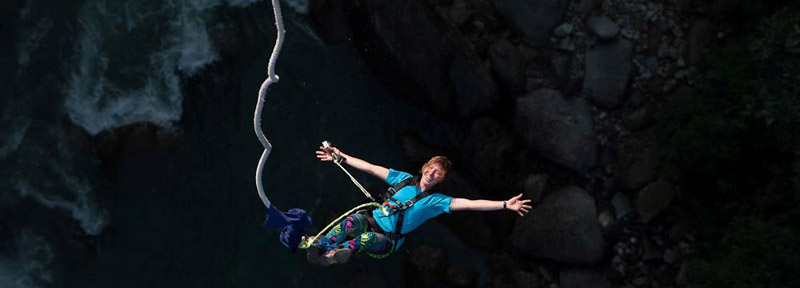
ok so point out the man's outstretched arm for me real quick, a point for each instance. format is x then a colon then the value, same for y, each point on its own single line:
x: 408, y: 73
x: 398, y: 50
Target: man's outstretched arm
x: 374, y: 170
x: 513, y: 204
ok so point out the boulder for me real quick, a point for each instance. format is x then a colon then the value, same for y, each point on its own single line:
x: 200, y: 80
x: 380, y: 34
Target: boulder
x: 560, y: 130
x: 508, y: 64
x: 461, y: 276
x: 533, y: 19
x: 424, y: 266
x: 654, y: 198
x: 414, y: 52
x: 563, y: 227
x: 534, y: 186
x: 582, y: 278
x: 491, y: 154
x: 608, y: 69
x: 701, y: 35
x: 472, y: 227
x: 603, y: 27
x: 635, y: 160
x: 622, y: 205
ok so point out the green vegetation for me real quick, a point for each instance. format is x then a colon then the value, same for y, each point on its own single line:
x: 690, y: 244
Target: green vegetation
x: 736, y: 141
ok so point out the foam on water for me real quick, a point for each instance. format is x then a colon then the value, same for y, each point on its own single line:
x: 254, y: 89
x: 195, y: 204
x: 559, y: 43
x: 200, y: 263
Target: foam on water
x: 30, y: 43
x: 10, y: 141
x: 29, y: 268
x: 91, y: 218
x: 299, y: 6
x: 99, y: 97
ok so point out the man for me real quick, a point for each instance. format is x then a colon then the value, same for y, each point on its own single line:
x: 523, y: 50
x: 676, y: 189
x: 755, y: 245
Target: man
x: 376, y: 233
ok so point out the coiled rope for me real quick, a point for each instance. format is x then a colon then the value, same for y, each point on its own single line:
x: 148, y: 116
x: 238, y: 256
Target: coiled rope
x: 262, y: 95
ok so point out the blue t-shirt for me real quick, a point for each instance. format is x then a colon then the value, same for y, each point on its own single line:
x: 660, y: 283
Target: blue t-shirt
x: 424, y: 209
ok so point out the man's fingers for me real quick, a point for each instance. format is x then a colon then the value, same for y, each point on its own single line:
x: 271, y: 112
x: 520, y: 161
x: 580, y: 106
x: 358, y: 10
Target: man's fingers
x: 520, y: 214
x: 524, y: 210
x: 527, y: 206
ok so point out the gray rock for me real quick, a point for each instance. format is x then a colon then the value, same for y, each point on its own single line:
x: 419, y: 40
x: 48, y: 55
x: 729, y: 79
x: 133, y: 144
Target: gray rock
x: 525, y: 279
x: 640, y: 118
x: 424, y: 266
x: 563, y: 30
x: 654, y: 198
x: 460, y: 275
x: 491, y: 152
x: 534, y: 19
x: 699, y: 38
x: 558, y: 129
x: 608, y: 68
x: 567, y: 45
x: 508, y: 64
x: 603, y: 27
x: 563, y: 228
x: 472, y: 227
x: 606, y: 219
x: 670, y: 256
x: 635, y: 160
x: 474, y: 86
x: 586, y: 6
x: 443, y: 75
x: 622, y: 205
x: 582, y: 278
x: 533, y: 187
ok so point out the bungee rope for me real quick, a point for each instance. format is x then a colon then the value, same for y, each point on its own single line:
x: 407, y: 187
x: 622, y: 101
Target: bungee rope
x: 262, y: 95
x: 305, y: 242
x: 337, y: 159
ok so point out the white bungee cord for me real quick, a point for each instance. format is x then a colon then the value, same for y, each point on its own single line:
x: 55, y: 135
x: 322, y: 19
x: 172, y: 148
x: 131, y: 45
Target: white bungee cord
x: 262, y: 94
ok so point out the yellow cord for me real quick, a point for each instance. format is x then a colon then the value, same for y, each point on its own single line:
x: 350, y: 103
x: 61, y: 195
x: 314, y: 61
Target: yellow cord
x: 306, y: 242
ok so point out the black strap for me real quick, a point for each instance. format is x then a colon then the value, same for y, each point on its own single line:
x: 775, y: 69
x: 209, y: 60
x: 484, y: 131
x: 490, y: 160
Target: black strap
x: 398, y: 186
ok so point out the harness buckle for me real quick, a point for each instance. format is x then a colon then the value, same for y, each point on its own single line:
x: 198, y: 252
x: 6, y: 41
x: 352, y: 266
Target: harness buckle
x: 408, y: 203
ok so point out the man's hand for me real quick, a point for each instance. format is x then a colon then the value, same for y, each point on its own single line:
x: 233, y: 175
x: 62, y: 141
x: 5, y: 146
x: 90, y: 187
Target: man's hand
x: 519, y: 206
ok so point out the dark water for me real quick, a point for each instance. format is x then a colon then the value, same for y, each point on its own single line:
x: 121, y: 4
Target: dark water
x: 189, y: 218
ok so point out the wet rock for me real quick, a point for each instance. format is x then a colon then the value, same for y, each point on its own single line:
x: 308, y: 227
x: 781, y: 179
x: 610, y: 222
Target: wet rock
x: 534, y: 19
x: 640, y: 118
x: 563, y: 30
x: 654, y: 198
x: 525, y: 279
x: 603, y: 27
x: 651, y: 252
x: 418, y: 151
x: 533, y: 186
x: 586, y: 6
x: 608, y: 68
x: 424, y: 266
x: 670, y: 256
x: 443, y: 75
x: 503, y: 261
x: 582, y: 278
x: 472, y: 227
x: 460, y: 275
x: 606, y: 219
x: 621, y: 205
x: 563, y: 227
x: 558, y: 129
x: 635, y: 160
x: 491, y: 152
x: 508, y: 64
x: 699, y: 39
